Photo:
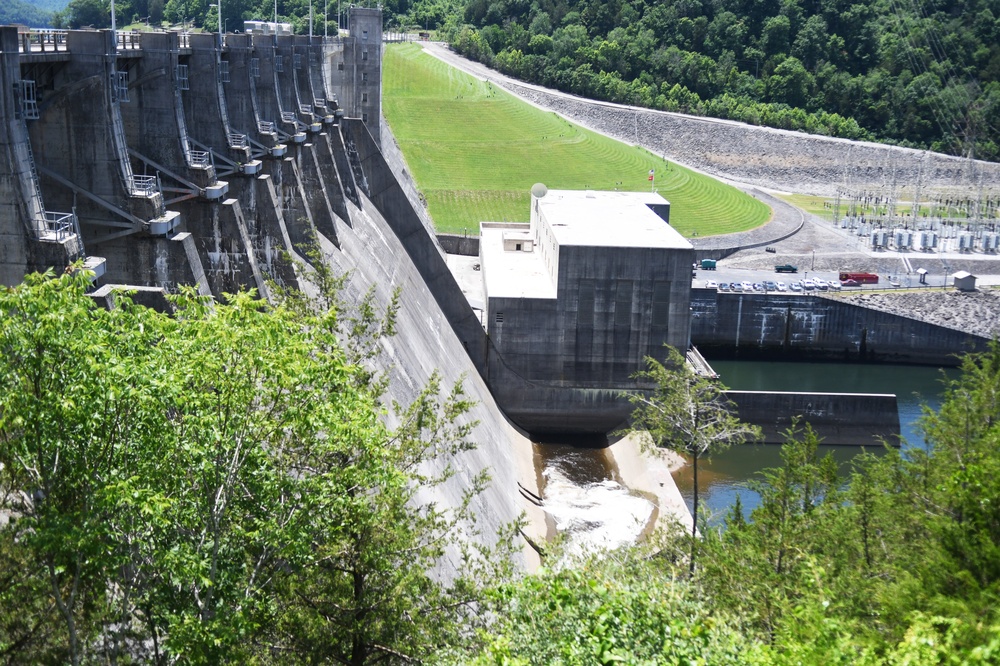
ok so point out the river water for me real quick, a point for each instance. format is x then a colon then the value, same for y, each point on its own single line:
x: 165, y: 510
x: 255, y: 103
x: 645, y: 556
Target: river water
x: 583, y: 494
x: 592, y: 509
x: 725, y: 475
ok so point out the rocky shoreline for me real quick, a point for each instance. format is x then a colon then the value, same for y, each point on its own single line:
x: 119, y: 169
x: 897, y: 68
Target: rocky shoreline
x: 976, y: 312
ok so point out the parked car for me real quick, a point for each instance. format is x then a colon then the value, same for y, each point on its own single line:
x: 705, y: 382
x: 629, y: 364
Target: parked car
x: 797, y: 286
x: 808, y: 285
x: 782, y: 286
x: 723, y: 286
x: 757, y: 286
x: 712, y: 284
x: 746, y: 286
x: 770, y: 285
x: 821, y: 284
x: 736, y: 286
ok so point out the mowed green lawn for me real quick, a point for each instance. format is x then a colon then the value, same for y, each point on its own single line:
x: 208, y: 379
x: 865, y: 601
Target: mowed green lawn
x: 475, y: 151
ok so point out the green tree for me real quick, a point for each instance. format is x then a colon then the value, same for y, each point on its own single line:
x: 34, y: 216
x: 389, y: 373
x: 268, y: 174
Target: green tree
x: 80, y: 13
x: 178, y: 483
x: 616, y: 608
x: 688, y: 413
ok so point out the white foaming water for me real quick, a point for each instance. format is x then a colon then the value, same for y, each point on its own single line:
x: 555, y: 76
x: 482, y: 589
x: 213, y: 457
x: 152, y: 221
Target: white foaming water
x: 601, y: 515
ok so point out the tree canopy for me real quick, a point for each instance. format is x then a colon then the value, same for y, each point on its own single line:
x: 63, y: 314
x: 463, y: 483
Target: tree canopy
x: 216, y: 485
x: 687, y: 413
x: 921, y: 75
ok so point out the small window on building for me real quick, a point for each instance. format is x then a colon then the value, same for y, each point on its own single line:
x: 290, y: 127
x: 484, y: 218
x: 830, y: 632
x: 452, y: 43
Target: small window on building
x: 499, y: 317
x: 364, y: 76
x: 364, y: 117
x: 517, y: 247
x: 340, y: 66
x: 364, y: 98
x: 364, y: 54
x: 364, y: 34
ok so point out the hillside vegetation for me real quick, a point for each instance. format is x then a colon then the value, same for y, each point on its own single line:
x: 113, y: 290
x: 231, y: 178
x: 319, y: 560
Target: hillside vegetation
x: 217, y: 486
x: 923, y: 74
x: 23, y: 12
x: 475, y: 151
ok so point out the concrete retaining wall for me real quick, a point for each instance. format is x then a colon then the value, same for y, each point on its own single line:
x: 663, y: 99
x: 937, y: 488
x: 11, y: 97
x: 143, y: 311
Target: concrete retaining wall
x: 853, y: 419
x: 798, y: 327
x: 466, y: 246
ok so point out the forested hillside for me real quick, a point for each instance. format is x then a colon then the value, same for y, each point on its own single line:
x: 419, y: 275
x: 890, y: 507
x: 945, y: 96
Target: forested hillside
x: 24, y: 13
x: 920, y: 74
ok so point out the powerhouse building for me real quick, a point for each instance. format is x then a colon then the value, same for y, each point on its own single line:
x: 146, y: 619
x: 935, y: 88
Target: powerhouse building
x: 576, y: 299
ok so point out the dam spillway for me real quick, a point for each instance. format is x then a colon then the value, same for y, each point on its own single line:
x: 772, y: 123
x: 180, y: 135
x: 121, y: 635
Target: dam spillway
x: 169, y: 159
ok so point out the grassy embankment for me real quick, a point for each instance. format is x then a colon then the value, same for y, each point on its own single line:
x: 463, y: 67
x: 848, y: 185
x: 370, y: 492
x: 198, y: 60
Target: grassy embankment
x: 475, y: 151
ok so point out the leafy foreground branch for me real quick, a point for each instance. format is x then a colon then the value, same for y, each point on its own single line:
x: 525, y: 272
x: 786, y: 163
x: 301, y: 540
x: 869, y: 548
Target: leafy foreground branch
x: 216, y: 486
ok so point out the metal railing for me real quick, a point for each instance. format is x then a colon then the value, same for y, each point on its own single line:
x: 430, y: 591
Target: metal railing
x: 265, y: 127
x: 237, y: 140
x: 306, y: 109
x: 127, y: 41
x: 320, y: 102
x: 58, y: 225
x: 199, y: 158
x: 288, y: 116
x: 27, y: 99
x: 41, y: 41
x: 119, y: 86
x: 144, y: 186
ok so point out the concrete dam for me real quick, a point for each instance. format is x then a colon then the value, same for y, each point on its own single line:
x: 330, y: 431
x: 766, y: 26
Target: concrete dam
x: 165, y: 159
x: 168, y: 159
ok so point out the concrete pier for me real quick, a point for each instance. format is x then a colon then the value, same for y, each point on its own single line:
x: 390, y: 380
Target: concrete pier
x: 850, y: 419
